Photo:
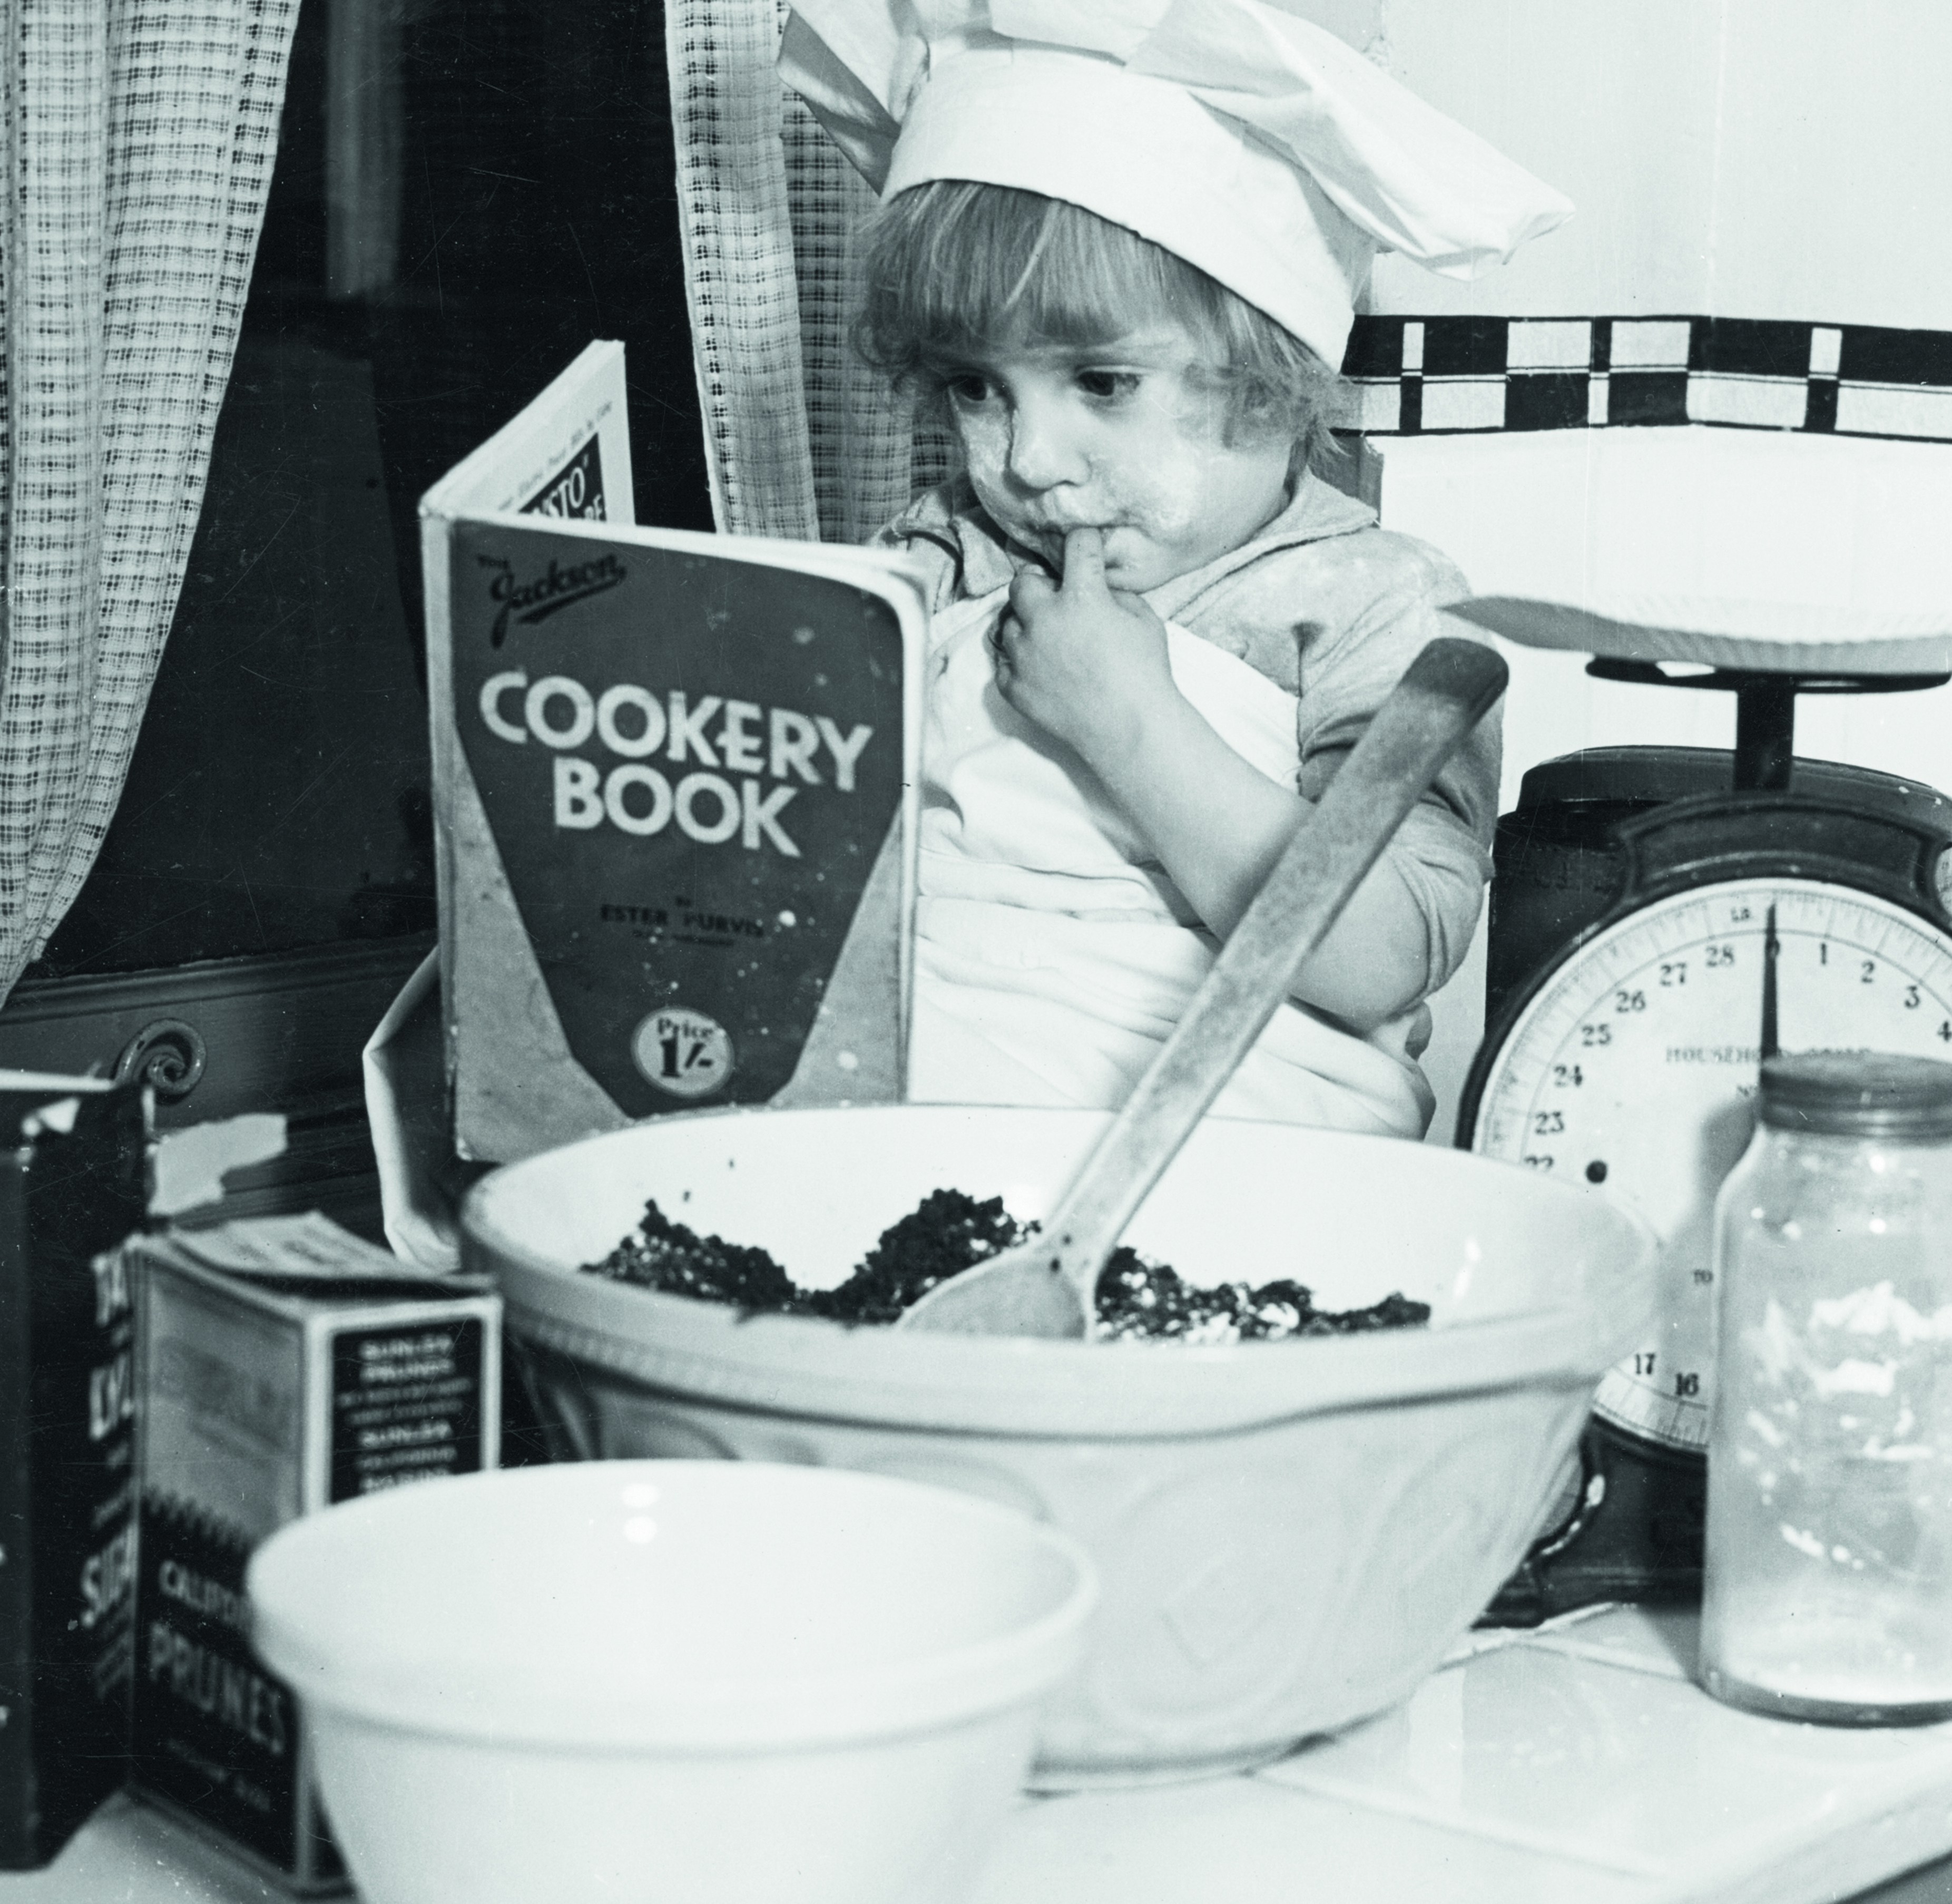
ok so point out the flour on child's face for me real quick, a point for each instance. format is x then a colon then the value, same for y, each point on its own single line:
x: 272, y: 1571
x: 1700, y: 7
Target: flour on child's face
x: 1126, y: 436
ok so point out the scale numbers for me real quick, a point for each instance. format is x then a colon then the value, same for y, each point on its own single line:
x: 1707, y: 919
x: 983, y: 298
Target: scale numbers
x: 1634, y: 1064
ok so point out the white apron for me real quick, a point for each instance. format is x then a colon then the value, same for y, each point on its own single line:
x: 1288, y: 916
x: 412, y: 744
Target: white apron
x: 1050, y: 963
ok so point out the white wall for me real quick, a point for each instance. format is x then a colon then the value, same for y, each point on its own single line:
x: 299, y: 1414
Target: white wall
x: 1765, y: 158
x: 1570, y: 514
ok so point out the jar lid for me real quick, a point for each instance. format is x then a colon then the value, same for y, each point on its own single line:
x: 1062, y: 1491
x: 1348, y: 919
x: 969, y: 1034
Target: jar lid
x: 1858, y: 1093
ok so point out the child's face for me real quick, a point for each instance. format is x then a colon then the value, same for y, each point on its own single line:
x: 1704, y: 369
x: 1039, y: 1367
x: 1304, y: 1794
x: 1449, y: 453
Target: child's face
x: 1124, y: 437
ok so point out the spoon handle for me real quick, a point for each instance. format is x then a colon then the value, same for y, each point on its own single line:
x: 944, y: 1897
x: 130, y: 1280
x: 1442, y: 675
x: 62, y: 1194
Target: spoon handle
x: 1446, y: 692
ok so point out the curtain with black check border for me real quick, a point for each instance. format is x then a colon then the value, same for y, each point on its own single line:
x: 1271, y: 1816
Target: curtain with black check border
x: 136, y: 142
x: 801, y: 439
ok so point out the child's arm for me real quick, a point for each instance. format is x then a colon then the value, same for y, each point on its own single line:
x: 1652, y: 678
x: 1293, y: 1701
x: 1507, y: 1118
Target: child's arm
x: 1089, y: 666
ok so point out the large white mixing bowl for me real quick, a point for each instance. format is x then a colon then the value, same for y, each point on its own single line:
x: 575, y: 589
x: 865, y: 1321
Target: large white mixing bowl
x: 1290, y: 1535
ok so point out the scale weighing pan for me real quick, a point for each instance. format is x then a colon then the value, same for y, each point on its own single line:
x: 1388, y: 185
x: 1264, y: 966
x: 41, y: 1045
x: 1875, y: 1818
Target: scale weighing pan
x: 1726, y: 631
x: 1765, y: 653
x: 1718, y: 915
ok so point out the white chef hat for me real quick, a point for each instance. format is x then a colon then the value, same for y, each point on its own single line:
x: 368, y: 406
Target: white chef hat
x: 1245, y: 138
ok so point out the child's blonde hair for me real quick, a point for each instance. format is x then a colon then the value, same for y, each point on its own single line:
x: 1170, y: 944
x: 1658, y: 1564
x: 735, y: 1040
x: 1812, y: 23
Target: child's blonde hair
x: 954, y: 266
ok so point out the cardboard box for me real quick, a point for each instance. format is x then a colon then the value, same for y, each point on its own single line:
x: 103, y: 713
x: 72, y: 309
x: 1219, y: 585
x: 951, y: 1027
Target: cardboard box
x: 285, y: 1365
x: 74, y: 1174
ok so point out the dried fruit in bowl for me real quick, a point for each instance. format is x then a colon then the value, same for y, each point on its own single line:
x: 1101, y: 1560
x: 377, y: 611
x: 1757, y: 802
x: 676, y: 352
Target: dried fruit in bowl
x: 948, y: 1232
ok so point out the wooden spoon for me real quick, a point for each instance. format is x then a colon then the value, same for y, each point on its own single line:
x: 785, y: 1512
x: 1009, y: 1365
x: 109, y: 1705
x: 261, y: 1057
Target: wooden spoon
x: 1047, y: 1286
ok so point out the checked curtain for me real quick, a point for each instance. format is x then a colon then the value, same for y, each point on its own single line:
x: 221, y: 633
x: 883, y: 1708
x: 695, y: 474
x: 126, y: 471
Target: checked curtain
x: 801, y: 439
x: 136, y: 141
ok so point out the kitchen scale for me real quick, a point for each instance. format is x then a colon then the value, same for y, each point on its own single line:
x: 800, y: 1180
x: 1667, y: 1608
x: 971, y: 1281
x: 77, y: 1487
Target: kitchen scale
x: 1661, y: 918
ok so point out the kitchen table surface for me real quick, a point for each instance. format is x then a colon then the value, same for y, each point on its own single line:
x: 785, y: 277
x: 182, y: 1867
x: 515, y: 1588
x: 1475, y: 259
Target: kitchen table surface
x: 1578, y: 1765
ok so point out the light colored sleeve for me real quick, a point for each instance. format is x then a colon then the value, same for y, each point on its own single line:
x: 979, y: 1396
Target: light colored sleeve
x: 1375, y: 613
x: 929, y: 531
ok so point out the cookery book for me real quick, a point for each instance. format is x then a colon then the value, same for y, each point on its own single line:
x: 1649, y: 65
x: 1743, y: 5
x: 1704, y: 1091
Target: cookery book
x: 674, y: 793
x: 74, y: 1163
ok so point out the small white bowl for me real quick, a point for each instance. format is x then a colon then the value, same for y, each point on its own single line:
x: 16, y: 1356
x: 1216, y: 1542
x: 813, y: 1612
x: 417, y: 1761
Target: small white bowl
x: 674, y: 1680
x: 1290, y: 1534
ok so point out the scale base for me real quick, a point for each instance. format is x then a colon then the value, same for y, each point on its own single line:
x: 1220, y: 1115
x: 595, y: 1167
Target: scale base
x: 1634, y: 1532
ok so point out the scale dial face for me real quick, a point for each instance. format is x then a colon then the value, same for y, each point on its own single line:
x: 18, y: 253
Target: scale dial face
x: 1634, y: 1063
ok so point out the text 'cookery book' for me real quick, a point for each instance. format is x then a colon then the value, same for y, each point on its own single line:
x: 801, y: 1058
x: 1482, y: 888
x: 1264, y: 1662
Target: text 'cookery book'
x: 674, y: 794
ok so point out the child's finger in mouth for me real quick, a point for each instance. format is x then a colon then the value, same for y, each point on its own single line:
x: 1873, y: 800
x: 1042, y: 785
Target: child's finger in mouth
x: 1085, y: 556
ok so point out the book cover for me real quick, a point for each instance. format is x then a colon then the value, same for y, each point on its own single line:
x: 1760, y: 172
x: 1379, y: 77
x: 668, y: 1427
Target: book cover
x: 74, y: 1183
x: 674, y: 794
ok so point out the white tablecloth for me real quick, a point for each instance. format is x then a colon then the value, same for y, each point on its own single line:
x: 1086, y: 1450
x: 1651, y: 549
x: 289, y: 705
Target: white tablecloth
x: 1576, y: 1765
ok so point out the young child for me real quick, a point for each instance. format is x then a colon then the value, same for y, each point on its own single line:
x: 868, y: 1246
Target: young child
x: 1120, y: 243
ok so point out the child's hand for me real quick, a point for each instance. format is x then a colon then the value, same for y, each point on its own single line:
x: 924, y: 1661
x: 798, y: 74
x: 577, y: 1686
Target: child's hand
x: 1084, y: 661
x: 1087, y: 663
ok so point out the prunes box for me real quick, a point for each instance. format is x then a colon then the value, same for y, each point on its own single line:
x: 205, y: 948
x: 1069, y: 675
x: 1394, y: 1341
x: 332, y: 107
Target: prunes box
x: 285, y: 1365
x: 74, y: 1164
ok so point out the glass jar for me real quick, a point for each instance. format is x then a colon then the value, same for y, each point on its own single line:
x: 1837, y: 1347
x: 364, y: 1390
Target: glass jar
x: 1828, y: 1585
